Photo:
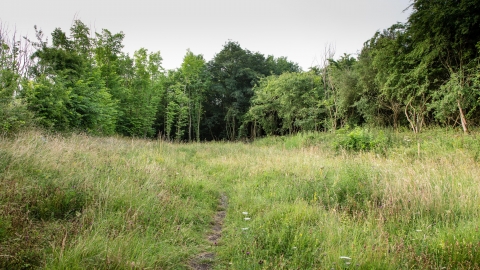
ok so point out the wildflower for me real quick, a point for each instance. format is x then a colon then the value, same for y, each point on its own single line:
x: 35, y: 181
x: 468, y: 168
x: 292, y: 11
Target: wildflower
x: 345, y: 258
x: 245, y: 213
x: 244, y: 229
x: 247, y: 218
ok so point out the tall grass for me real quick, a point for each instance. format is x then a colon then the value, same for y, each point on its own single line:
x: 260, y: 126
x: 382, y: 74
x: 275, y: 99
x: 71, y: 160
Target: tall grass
x: 84, y: 202
x: 299, y: 202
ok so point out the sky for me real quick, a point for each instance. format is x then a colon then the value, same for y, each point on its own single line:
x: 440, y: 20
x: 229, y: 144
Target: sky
x: 297, y: 29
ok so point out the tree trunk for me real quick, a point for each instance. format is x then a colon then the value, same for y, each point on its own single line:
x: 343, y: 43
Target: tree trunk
x: 462, y: 117
x: 413, y: 121
x: 189, y: 125
x: 198, y: 121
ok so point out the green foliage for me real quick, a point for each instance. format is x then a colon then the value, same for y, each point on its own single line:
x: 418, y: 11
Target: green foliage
x: 139, y: 101
x: 234, y: 73
x: 445, y: 36
x: 196, y: 83
x: 49, y: 102
x: 177, y: 111
x: 420, y: 73
x: 361, y: 139
x: 91, y: 107
x: 68, y: 91
x: 114, y: 68
x: 14, y: 117
x: 280, y: 65
x: 344, y: 93
x: 459, y: 90
x: 387, y: 86
x: 286, y: 104
x: 181, y: 111
x: 14, y: 61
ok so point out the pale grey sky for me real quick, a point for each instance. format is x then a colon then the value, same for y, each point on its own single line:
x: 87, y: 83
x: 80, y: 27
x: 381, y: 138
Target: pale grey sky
x: 297, y: 29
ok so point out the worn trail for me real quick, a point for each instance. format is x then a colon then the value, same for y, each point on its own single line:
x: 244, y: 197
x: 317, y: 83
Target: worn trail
x: 205, y: 260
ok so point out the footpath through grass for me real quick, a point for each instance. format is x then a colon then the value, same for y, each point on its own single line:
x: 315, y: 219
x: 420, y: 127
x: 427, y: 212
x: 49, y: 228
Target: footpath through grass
x: 357, y: 199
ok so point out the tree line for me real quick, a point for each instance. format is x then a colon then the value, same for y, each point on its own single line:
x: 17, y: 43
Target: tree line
x: 423, y: 72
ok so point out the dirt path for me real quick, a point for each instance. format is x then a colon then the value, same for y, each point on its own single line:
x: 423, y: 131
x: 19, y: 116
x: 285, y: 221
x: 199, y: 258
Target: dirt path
x: 204, y: 260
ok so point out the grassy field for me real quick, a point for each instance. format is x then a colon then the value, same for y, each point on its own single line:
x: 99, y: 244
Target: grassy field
x: 352, y: 200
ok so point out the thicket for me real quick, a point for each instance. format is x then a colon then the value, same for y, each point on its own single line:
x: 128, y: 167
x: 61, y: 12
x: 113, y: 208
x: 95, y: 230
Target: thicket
x: 421, y: 73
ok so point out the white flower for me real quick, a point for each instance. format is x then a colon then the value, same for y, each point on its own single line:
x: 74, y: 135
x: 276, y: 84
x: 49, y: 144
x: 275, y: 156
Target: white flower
x: 294, y: 247
x: 244, y: 229
x: 345, y: 258
x: 247, y: 218
x: 245, y: 213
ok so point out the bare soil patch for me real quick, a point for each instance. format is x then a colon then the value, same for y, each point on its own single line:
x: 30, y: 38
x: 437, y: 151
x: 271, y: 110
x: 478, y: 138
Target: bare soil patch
x: 205, y: 260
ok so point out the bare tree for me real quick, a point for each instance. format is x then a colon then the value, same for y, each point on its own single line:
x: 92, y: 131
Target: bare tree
x: 328, y: 85
x: 14, y: 60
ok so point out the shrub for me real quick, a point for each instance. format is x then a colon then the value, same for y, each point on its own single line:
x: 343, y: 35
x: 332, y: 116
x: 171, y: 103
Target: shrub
x: 14, y: 116
x: 360, y: 139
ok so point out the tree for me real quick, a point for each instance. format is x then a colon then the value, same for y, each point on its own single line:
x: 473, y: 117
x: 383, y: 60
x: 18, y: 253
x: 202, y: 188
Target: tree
x: 108, y: 54
x: 49, y: 101
x: 331, y: 95
x: 280, y: 65
x: 143, y: 93
x: 234, y: 71
x: 287, y: 104
x: 176, y: 106
x: 445, y: 35
x: 344, y: 80
x: 14, y: 65
x: 196, y: 82
x: 392, y: 80
x: 389, y: 53
x: 67, y: 91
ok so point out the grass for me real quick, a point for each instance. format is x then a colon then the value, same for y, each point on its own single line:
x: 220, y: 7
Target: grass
x: 395, y: 201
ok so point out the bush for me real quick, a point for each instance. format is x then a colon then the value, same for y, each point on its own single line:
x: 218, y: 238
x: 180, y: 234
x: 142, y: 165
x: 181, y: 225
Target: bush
x: 14, y: 117
x: 360, y: 139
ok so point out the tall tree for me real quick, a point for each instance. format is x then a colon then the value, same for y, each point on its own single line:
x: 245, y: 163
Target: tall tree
x: 143, y: 94
x: 445, y: 36
x: 280, y: 65
x: 66, y: 68
x: 344, y: 79
x: 287, y: 104
x: 234, y: 72
x: 108, y: 52
x: 196, y: 83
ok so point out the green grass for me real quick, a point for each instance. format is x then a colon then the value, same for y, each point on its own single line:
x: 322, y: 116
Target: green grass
x: 383, y: 199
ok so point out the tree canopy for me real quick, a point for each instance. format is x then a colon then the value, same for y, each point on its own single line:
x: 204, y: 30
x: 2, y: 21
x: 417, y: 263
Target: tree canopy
x: 421, y: 72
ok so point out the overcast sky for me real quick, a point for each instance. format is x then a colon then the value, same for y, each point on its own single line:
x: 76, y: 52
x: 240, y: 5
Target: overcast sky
x: 297, y: 29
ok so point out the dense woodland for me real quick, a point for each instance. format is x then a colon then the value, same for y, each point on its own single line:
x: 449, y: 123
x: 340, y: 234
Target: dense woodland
x: 425, y: 72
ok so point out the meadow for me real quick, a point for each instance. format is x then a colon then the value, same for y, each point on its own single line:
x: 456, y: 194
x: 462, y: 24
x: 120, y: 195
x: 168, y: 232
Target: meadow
x: 356, y: 199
